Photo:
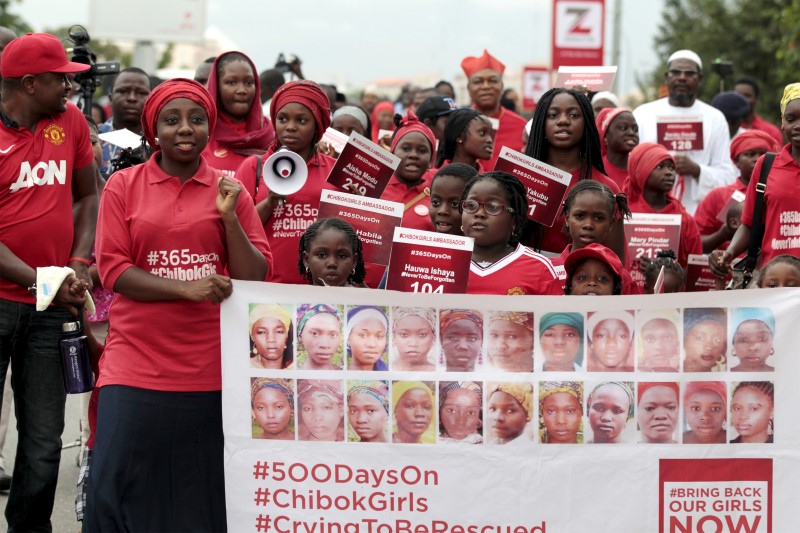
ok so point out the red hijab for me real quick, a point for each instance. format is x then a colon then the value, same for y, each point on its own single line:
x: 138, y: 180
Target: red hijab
x: 308, y: 94
x: 641, y: 162
x: 752, y: 140
x: 170, y: 90
x: 603, y: 121
x: 258, y: 130
x: 385, y: 105
x: 411, y: 124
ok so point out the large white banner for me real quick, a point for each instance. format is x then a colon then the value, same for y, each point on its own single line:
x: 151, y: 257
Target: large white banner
x: 363, y: 411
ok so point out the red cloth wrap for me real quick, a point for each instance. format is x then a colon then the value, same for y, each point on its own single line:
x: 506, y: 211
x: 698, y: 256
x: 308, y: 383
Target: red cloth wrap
x: 411, y: 124
x: 717, y: 387
x: 258, y: 130
x: 603, y: 121
x: 384, y: 105
x: 170, y: 90
x: 645, y: 386
x: 308, y: 94
x: 641, y: 162
x: 472, y: 64
x: 752, y: 140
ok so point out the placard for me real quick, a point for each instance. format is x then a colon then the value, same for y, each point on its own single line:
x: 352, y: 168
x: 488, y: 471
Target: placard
x: 363, y: 167
x: 590, y: 79
x: 546, y: 185
x: 373, y: 219
x: 698, y: 274
x: 335, y: 139
x: 535, y: 82
x: 408, y: 447
x: 736, y: 198
x: 647, y: 234
x: 426, y: 261
x: 578, y: 32
x: 680, y: 133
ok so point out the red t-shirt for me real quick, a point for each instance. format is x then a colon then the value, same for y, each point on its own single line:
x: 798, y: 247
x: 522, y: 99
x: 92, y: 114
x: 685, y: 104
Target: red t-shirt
x: 767, y: 127
x: 416, y: 216
x: 36, y: 191
x: 628, y: 285
x: 223, y: 158
x: 289, y: 221
x: 150, y: 221
x: 781, y: 206
x: 618, y: 175
x: 509, y: 133
x: 555, y: 238
x: 706, y: 215
x: 690, y: 237
x: 522, y: 272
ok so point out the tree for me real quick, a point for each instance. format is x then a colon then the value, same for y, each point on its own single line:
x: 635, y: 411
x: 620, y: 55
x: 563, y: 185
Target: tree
x: 760, y: 38
x: 11, y: 20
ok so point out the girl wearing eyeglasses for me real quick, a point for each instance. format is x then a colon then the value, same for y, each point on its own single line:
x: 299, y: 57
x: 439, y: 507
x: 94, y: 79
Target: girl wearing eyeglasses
x: 493, y: 209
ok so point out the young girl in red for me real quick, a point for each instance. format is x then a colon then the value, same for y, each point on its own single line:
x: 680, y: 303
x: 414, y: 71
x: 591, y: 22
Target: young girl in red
x: 467, y: 139
x: 330, y: 254
x: 651, y: 177
x: 494, y: 208
x: 619, y: 134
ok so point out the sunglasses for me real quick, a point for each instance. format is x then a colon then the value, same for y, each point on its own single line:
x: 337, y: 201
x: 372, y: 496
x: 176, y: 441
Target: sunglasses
x: 490, y: 208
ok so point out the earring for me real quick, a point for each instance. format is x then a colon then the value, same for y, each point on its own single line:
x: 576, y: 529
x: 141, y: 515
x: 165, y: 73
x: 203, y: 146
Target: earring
x: 462, y: 229
x: 353, y: 272
x: 307, y: 269
x: 255, y: 351
x: 459, y: 141
x: 772, y: 351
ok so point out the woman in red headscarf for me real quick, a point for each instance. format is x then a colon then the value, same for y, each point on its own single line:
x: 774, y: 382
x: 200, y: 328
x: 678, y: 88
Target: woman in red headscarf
x: 170, y: 232
x: 649, y: 188
x: 382, y: 118
x: 619, y: 134
x: 301, y: 113
x: 242, y: 128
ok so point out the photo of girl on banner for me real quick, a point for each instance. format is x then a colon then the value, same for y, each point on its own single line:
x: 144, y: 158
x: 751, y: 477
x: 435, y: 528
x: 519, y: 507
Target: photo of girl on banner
x: 510, y: 341
x: 705, y: 410
x: 272, y: 404
x: 657, y: 412
x: 271, y: 336
x: 414, y: 419
x: 705, y: 339
x: 319, y: 337
x: 321, y: 406
x: 367, y: 338
x: 609, y: 337
x: 561, y: 342
x: 460, y: 412
x: 560, y: 412
x: 609, y: 408
x: 658, y: 340
x: 413, y: 339
x: 509, y: 414
x: 753, y: 412
x: 368, y: 411
x: 754, y: 332
x: 461, y: 332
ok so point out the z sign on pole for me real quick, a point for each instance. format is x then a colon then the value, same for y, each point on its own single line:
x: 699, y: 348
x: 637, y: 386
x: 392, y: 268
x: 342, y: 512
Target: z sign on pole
x: 578, y: 33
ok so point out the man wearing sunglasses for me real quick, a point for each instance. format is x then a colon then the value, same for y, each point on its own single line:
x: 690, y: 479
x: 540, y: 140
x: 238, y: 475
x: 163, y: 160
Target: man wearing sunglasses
x: 699, y: 170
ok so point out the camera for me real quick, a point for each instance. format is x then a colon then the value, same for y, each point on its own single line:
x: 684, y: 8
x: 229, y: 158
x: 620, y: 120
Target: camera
x: 721, y: 68
x: 89, y: 80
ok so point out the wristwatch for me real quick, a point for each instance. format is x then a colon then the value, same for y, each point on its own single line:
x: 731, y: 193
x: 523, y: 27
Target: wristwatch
x: 32, y: 290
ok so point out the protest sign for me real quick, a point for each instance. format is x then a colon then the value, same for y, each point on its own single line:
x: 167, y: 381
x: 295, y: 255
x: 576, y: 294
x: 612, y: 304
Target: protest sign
x: 681, y: 133
x: 363, y: 167
x: 593, y: 79
x: 426, y: 261
x: 646, y: 235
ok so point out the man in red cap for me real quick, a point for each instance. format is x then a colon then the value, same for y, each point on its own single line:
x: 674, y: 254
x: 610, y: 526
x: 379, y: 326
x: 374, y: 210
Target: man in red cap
x: 48, y: 209
x: 485, y: 86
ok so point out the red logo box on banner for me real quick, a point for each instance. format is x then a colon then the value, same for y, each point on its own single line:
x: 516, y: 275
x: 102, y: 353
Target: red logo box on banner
x: 535, y: 82
x: 546, y: 185
x: 578, y: 32
x: 682, y: 133
x: 646, y: 235
x: 425, y: 261
x: 374, y: 220
x: 363, y: 167
x: 701, y: 495
x: 592, y: 78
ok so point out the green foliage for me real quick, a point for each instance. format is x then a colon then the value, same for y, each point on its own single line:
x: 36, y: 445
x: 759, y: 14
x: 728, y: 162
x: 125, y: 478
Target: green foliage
x: 12, y: 21
x: 760, y: 37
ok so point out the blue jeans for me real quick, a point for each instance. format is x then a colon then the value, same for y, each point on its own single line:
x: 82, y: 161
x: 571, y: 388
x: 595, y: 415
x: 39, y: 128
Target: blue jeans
x: 29, y: 341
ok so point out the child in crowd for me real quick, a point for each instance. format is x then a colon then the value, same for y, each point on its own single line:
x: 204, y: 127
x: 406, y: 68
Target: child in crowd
x: 330, y: 254
x: 593, y: 270
x: 651, y: 177
x: 619, y: 134
x: 467, y: 139
x: 447, y: 187
x: 782, y: 271
x: 674, y: 275
x: 493, y: 212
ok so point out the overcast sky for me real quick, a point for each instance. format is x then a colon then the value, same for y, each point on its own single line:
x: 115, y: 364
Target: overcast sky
x: 356, y: 41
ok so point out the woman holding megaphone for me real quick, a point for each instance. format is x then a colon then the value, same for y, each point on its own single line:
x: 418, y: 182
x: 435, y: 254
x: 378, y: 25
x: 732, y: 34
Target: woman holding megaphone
x: 301, y: 114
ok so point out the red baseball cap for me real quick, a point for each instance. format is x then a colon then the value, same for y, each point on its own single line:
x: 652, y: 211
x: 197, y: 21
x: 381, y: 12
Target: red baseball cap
x: 36, y: 53
x: 594, y: 251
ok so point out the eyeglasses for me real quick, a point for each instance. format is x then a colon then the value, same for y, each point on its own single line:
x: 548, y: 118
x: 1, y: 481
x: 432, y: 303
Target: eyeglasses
x: 490, y: 208
x: 687, y: 73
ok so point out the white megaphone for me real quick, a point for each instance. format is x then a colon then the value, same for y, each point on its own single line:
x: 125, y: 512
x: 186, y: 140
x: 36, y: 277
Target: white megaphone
x: 284, y: 172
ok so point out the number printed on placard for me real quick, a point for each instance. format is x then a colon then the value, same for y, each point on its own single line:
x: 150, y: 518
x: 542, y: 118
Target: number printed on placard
x: 649, y: 253
x: 531, y: 209
x: 354, y: 187
x: 682, y: 145
x: 427, y: 287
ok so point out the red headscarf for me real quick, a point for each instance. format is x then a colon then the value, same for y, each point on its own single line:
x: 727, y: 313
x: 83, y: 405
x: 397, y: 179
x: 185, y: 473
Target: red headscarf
x: 752, y: 140
x: 641, y: 162
x: 380, y: 106
x: 470, y: 65
x: 411, y: 124
x: 259, y: 131
x: 646, y: 386
x: 603, y: 121
x: 170, y: 90
x: 308, y: 94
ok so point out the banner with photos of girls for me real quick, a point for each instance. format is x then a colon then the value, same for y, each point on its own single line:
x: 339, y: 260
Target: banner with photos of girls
x: 361, y: 411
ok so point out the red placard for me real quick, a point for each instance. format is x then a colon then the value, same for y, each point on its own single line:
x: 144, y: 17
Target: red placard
x: 363, y: 167
x: 374, y: 220
x: 594, y: 79
x: 646, y: 235
x: 546, y: 185
x: 578, y: 32
x: 698, y: 275
x: 681, y: 133
x: 535, y: 82
x: 425, y: 261
x: 736, y: 198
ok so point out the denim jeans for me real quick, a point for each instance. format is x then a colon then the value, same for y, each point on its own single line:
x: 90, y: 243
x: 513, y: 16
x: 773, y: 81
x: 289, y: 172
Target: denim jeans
x: 29, y: 341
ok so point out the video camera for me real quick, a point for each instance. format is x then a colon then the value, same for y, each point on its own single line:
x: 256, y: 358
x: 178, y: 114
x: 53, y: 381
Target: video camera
x: 291, y: 67
x: 89, y: 80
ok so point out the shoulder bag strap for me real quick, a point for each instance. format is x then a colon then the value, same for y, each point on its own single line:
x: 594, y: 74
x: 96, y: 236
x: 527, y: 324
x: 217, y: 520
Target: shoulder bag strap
x: 757, y: 227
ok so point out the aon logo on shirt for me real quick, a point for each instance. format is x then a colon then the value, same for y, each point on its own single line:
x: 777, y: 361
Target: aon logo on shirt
x: 40, y: 174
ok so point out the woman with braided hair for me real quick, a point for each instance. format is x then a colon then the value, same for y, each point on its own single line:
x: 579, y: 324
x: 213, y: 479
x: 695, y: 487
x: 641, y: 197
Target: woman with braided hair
x: 753, y: 411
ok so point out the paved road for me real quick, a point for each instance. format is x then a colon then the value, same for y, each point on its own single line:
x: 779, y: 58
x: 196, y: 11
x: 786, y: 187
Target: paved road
x: 63, y: 518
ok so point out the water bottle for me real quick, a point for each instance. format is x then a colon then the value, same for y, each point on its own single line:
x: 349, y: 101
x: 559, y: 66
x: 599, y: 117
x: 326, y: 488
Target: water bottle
x: 78, y: 376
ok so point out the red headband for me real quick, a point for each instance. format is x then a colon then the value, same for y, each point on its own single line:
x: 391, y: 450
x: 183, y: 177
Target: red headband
x: 641, y: 162
x: 170, y: 90
x: 604, y: 119
x: 308, y: 94
x: 752, y: 140
x: 717, y: 387
x: 646, y: 386
x: 411, y: 124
